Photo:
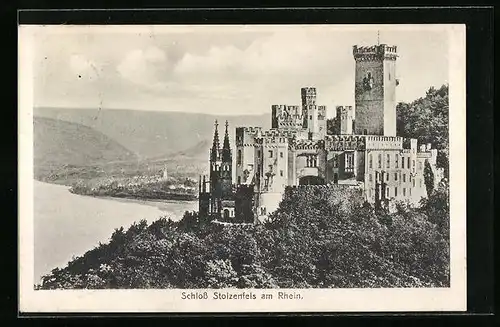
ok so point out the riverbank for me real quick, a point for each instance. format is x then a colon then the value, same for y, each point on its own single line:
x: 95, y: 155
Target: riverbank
x: 68, y: 224
x: 139, y: 187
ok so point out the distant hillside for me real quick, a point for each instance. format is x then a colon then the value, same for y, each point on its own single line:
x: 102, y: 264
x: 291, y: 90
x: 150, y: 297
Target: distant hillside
x: 153, y: 134
x: 60, y: 145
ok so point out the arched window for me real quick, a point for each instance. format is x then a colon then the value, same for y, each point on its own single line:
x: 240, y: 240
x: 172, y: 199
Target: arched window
x: 226, y: 213
x: 379, y: 160
x: 371, y: 160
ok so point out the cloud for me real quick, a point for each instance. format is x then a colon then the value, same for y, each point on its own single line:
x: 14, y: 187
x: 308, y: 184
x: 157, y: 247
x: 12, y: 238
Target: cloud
x: 226, y: 70
x: 142, y: 66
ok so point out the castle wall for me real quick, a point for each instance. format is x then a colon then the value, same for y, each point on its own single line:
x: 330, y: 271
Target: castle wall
x: 275, y: 161
x: 403, y: 170
x: 245, y: 154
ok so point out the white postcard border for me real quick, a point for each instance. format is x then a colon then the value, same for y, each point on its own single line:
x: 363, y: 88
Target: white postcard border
x: 313, y: 300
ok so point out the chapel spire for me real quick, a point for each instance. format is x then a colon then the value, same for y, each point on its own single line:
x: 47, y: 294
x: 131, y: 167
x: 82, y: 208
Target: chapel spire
x: 226, y: 149
x: 214, y: 152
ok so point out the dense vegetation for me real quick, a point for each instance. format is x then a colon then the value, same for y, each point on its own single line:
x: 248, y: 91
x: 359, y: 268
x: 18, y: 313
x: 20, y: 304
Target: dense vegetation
x: 426, y: 119
x: 312, y: 240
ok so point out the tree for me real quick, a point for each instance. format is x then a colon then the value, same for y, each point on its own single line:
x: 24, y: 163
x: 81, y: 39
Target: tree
x: 428, y: 178
x: 426, y: 119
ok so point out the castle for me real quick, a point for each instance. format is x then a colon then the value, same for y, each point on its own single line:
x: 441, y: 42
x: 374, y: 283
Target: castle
x: 358, y: 148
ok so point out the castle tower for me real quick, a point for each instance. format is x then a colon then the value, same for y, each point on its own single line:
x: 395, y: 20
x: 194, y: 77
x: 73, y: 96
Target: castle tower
x: 226, y: 173
x: 375, y: 89
x: 310, y: 111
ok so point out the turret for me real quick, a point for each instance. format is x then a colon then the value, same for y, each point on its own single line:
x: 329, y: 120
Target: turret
x: 310, y: 111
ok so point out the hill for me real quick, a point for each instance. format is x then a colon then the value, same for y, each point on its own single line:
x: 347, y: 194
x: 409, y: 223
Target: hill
x: 316, y: 239
x: 153, y: 134
x: 60, y: 145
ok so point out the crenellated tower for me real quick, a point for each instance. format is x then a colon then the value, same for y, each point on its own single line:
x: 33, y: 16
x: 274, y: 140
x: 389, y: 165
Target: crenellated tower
x: 314, y: 116
x: 375, y: 89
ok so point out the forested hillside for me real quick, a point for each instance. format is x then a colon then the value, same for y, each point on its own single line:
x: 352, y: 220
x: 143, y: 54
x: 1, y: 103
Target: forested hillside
x: 427, y: 119
x: 313, y: 240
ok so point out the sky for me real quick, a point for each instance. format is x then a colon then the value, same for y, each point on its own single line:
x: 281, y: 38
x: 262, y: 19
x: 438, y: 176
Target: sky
x: 239, y: 69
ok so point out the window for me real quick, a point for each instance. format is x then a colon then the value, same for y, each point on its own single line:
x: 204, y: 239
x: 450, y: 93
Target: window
x: 310, y: 117
x: 239, y: 180
x: 379, y: 160
x: 365, y: 131
x: 270, y: 153
x: 420, y: 182
x: 396, y: 160
x: 387, y: 177
x: 410, y: 191
x: 239, y: 157
x: 404, y: 191
x: 281, y: 154
x: 258, y: 153
x: 402, y: 162
x: 395, y: 176
x: 414, y: 182
x: 387, y: 192
x: 281, y: 173
x: 270, y: 168
x: 388, y: 161
x: 370, y: 178
x: 404, y: 178
x: 370, y: 161
x: 408, y: 163
x: 395, y: 191
x: 413, y: 163
x: 420, y: 165
x: 335, y: 160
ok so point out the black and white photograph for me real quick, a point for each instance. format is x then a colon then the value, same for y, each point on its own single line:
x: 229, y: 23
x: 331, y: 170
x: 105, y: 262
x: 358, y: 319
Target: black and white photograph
x: 264, y: 167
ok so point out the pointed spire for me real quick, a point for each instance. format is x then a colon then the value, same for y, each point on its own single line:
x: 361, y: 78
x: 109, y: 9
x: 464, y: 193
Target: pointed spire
x: 214, y: 153
x: 226, y: 149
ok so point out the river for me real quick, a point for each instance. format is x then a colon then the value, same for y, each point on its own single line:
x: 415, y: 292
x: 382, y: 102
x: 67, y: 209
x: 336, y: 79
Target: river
x: 67, y: 224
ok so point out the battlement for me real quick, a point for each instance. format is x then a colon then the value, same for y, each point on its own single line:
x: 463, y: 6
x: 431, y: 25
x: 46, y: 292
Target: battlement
x: 308, y: 91
x: 279, y: 133
x: 247, y: 129
x: 305, y: 144
x: 308, y: 96
x: 377, y: 142
x: 286, y: 116
x: 344, y: 142
x: 374, y: 52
